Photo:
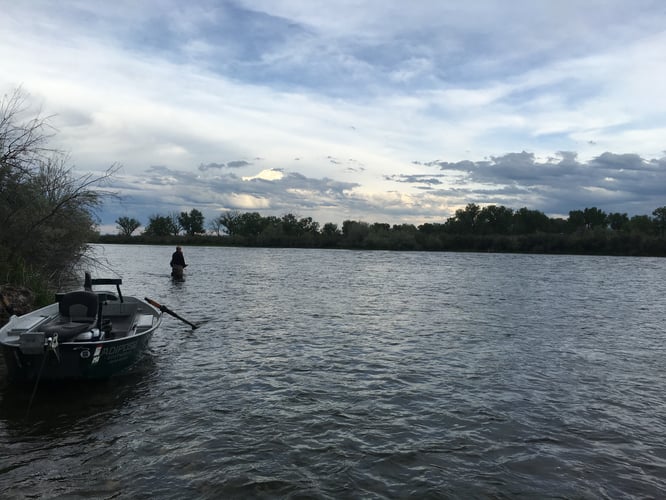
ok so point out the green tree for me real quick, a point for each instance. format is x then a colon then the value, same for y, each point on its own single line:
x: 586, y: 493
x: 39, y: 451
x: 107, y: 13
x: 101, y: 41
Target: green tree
x: 330, y: 234
x: 127, y: 225
x: 192, y: 223
x: 659, y: 215
x: 160, y: 225
x: 430, y: 228
x: 495, y: 219
x: 251, y: 224
x: 308, y: 226
x: 403, y: 237
x: 330, y: 229
x: 576, y: 220
x: 526, y: 221
x: 378, y: 236
x: 618, y: 221
x: 465, y: 220
x: 354, y: 233
x: 595, y: 218
x: 246, y: 225
x: 290, y: 225
x: 641, y: 224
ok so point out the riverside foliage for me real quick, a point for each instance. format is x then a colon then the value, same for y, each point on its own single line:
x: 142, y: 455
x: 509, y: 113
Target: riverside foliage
x: 47, y: 215
x: 490, y: 228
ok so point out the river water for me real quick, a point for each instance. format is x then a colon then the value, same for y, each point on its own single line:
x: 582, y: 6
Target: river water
x: 352, y: 374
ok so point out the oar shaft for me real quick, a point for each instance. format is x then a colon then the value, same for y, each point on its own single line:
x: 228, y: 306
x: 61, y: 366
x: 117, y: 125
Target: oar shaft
x: 169, y: 311
x: 154, y: 303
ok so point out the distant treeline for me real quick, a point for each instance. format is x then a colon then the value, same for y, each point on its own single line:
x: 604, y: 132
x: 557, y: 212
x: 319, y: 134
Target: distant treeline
x: 481, y: 229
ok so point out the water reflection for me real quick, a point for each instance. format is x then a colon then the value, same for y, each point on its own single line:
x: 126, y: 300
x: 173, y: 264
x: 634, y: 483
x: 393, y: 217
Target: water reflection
x: 335, y: 374
x: 59, y: 408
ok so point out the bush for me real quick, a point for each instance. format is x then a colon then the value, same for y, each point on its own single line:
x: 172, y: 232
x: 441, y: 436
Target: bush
x: 47, y: 214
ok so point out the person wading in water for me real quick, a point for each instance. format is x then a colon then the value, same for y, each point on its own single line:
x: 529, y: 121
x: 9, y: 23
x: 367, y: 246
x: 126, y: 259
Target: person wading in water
x: 177, y: 263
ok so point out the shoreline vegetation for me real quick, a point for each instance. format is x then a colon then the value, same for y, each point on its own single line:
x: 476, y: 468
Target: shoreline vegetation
x: 537, y: 243
x: 47, y: 213
x: 490, y: 228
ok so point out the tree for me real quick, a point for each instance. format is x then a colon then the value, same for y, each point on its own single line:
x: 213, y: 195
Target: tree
x: 430, y: 228
x: 174, y: 224
x: 308, y: 226
x: 380, y: 227
x: 526, y: 221
x: 248, y: 224
x: 354, y: 232
x: 127, y: 225
x: 660, y: 220
x: 330, y: 234
x: 618, y: 221
x: 192, y: 223
x: 576, y: 220
x: 160, y: 225
x: 378, y: 236
x: 495, y: 219
x: 595, y: 218
x: 465, y: 220
x: 290, y: 225
x: 47, y: 213
x: 216, y: 224
x: 641, y: 224
x: 403, y: 237
x: 330, y: 229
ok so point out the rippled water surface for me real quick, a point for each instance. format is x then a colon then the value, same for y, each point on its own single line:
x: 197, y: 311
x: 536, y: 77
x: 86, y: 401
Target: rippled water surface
x: 337, y: 374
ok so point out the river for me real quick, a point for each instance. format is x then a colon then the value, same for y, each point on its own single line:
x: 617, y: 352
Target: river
x: 354, y: 374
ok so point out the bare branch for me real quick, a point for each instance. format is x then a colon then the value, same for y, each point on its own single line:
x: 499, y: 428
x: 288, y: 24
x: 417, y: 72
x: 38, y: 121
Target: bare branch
x: 47, y: 213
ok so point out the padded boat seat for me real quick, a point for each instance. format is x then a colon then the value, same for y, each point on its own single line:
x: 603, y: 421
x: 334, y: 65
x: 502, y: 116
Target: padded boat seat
x: 78, y: 313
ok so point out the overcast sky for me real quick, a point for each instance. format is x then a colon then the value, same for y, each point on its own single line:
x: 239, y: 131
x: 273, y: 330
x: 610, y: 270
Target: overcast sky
x: 374, y: 110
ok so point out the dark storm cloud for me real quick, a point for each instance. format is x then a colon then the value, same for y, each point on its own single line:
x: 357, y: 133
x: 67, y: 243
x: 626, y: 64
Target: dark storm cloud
x: 613, y: 182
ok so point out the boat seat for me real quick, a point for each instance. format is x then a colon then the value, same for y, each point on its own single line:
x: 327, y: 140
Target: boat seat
x: 78, y: 313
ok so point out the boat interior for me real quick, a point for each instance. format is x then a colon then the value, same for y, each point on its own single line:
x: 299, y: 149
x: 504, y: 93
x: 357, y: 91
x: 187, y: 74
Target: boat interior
x: 85, y: 316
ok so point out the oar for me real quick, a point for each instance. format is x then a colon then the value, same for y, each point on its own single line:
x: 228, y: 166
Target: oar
x: 169, y: 311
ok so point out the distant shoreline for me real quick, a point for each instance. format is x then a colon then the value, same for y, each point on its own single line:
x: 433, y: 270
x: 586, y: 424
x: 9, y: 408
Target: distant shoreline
x: 588, y: 243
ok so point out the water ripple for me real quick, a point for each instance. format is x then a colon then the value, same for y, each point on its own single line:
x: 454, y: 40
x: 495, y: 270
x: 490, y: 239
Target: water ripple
x: 335, y: 374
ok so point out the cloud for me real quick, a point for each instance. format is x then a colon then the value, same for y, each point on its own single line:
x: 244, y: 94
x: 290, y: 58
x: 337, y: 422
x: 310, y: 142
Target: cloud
x: 238, y: 164
x: 558, y: 184
x: 272, y: 174
x: 417, y: 179
x: 218, y: 166
x: 341, y: 98
x: 210, y: 166
x: 273, y: 191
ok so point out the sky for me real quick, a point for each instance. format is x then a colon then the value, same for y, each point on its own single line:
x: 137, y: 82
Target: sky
x: 370, y: 110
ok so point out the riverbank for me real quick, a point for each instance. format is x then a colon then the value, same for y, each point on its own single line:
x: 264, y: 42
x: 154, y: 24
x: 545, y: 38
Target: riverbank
x: 15, y: 300
x: 612, y: 243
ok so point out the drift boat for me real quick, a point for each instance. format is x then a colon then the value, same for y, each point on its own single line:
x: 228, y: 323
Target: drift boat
x: 85, y: 334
